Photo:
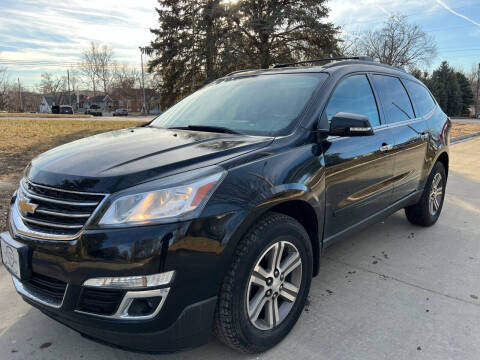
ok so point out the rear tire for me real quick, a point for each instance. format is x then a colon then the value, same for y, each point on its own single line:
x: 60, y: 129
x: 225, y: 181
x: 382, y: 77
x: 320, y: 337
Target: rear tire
x: 259, y: 302
x: 427, y: 211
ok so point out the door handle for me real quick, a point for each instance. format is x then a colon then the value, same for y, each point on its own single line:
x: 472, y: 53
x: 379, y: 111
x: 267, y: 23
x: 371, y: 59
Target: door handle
x: 386, y: 147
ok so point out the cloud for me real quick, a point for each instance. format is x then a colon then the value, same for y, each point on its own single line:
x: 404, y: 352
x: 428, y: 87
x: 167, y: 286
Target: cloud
x: 57, y: 31
x: 448, y: 8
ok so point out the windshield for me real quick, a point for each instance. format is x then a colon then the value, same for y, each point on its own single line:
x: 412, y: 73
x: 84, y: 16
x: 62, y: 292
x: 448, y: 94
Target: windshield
x: 256, y: 105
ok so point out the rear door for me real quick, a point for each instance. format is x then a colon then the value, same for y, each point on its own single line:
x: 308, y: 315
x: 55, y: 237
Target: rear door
x: 359, y: 170
x: 410, y: 133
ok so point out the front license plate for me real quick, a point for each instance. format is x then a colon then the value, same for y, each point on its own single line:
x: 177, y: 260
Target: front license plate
x: 14, y: 256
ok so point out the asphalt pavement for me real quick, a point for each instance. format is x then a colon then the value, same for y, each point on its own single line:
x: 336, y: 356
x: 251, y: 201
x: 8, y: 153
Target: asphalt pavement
x: 393, y: 291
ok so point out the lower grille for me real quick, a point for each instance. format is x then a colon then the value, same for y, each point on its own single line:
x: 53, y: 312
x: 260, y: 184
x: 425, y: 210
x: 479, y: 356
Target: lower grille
x: 101, y: 302
x: 46, y: 288
x: 53, y: 211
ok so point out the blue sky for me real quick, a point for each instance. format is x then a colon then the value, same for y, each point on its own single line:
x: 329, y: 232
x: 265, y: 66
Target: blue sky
x: 41, y: 34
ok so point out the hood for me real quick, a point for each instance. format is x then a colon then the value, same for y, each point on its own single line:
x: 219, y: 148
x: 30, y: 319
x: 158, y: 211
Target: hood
x: 120, y: 159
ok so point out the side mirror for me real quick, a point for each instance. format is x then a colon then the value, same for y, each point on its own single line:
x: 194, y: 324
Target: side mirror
x: 347, y: 124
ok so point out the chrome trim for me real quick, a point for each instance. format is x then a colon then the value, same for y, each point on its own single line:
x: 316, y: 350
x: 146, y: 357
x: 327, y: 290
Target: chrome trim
x: 122, y: 311
x: 53, y: 225
x: 163, y: 279
x: 67, y: 215
x: 18, y: 227
x: 55, y: 201
x: 32, y: 295
x: 62, y: 190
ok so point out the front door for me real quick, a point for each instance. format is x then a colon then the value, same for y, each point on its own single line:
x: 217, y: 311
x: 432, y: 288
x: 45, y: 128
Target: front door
x: 359, y: 170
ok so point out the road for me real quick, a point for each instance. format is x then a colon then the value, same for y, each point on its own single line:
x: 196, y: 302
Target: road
x: 393, y: 291
x: 466, y: 120
x: 145, y: 118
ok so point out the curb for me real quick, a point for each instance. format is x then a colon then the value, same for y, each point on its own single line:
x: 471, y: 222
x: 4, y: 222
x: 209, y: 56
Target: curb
x: 463, y: 138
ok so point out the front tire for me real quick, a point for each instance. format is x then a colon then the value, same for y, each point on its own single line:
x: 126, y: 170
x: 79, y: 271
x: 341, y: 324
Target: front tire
x: 265, y: 290
x: 427, y: 211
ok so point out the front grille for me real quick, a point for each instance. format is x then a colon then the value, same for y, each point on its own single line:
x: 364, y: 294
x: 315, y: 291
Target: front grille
x: 58, y: 212
x: 44, y: 287
x: 100, y: 302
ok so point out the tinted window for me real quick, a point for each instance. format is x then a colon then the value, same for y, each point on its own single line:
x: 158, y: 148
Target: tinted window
x: 395, y: 100
x: 354, y: 95
x: 262, y: 105
x: 421, y: 97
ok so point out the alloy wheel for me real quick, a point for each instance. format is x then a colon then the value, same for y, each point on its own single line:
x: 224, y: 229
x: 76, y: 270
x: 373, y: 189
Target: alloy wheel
x: 436, y: 194
x: 274, y: 285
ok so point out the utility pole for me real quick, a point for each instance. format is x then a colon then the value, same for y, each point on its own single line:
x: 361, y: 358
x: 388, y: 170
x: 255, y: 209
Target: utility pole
x: 20, y: 105
x: 144, y: 107
x: 68, y: 87
x: 477, y: 100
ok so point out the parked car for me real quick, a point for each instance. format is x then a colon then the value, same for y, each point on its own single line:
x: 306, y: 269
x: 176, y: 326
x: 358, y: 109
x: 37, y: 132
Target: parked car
x: 55, y: 109
x: 120, y: 112
x: 94, y: 110
x: 65, y: 109
x: 215, y: 214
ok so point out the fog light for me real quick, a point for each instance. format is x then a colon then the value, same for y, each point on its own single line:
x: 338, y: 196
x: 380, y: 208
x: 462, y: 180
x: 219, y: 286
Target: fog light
x: 144, y: 306
x: 132, y: 282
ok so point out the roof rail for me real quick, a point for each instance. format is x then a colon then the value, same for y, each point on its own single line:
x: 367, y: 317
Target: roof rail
x: 240, y: 71
x: 362, y: 58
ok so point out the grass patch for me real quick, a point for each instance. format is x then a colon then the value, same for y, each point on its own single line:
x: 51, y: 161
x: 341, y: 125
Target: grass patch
x: 459, y: 129
x: 44, y: 116
x: 17, y: 135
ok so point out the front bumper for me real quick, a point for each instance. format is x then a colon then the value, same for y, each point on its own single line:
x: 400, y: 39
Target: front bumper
x: 193, y: 249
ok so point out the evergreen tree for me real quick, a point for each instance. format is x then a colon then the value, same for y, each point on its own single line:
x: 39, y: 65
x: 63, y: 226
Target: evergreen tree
x: 199, y: 41
x: 279, y: 31
x: 466, y: 91
x: 446, y: 89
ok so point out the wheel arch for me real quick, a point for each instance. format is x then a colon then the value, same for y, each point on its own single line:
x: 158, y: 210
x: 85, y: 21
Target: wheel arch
x: 444, y: 159
x: 305, y: 214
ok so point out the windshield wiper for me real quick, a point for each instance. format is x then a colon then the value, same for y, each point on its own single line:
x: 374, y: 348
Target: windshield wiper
x: 218, y: 129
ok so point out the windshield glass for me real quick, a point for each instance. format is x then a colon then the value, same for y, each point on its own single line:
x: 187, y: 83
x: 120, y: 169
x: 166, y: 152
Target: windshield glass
x: 257, y: 105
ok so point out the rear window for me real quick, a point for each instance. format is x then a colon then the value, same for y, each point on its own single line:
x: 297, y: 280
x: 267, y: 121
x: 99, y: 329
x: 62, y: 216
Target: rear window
x: 421, y: 97
x: 395, y: 100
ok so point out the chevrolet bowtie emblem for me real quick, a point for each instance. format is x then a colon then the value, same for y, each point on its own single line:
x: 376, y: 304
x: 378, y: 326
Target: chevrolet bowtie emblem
x: 26, y: 207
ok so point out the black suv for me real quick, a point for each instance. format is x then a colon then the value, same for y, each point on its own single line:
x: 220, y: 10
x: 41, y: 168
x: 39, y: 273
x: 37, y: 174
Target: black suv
x: 214, y: 215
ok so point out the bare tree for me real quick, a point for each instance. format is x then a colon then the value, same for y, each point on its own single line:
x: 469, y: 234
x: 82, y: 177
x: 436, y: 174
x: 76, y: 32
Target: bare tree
x: 125, y: 77
x: 398, y: 43
x: 98, y: 65
x: 3, y: 89
x: 53, y: 85
x: 106, y: 65
x: 88, y: 66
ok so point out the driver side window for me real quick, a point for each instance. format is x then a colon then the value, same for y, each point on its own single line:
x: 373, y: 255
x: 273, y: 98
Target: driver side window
x: 354, y: 95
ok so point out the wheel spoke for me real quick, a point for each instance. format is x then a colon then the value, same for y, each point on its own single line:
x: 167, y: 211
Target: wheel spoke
x: 289, y: 291
x: 439, y: 191
x: 287, y: 296
x: 256, y: 305
x: 275, y: 256
x: 276, y: 315
x: 290, y: 263
x: 271, y: 313
x: 259, y: 275
x: 290, y: 288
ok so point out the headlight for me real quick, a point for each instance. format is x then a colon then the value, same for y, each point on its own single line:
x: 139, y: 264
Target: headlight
x: 165, y: 203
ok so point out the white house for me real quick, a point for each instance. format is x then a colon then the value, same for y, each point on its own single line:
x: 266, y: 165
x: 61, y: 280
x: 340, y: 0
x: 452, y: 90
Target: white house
x: 46, y: 104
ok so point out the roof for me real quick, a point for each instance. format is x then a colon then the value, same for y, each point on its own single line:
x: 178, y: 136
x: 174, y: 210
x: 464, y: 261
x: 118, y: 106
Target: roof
x: 331, y: 67
x: 99, y: 98
x: 49, y: 100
